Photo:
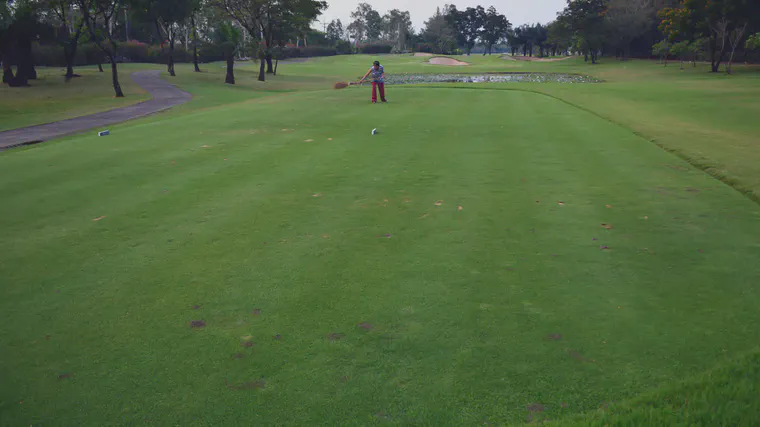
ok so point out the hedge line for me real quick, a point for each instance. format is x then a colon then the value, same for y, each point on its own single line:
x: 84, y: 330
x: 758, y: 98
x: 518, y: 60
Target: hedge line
x: 90, y: 54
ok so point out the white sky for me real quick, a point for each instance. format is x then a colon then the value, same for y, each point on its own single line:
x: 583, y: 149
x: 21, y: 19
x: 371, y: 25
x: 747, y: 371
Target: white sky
x: 517, y: 11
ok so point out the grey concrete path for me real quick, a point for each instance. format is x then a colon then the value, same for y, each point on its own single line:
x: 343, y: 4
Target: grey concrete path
x: 165, y: 95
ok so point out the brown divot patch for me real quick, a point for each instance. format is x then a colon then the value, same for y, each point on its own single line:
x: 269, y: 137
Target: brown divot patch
x: 366, y: 326
x: 535, y: 407
x: 195, y: 324
x: 336, y: 336
x: 554, y: 337
x: 579, y: 357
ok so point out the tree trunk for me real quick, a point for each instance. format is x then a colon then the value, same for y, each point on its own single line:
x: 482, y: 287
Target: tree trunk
x: 100, y: 67
x: 268, y: 58
x: 115, y: 77
x: 171, y: 56
x: 262, y: 71
x: 276, y: 63
x: 69, y: 70
x: 230, y: 78
x: 7, y: 73
x: 195, y: 46
x: 715, y: 54
x: 737, y: 38
x: 713, y: 49
x: 7, y: 70
x: 19, y: 80
x: 25, y: 69
x: 70, y: 52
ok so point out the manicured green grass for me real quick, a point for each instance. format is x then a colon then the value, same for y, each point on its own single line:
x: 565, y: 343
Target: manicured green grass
x: 725, y: 395
x: 705, y: 118
x: 49, y: 98
x: 451, y: 270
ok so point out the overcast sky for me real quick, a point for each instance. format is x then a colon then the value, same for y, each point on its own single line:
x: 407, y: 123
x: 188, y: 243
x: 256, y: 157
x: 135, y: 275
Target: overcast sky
x: 517, y: 11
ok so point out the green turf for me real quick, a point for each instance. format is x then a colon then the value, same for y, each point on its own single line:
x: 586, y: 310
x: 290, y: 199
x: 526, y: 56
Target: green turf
x: 50, y: 99
x: 286, y: 204
x: 725, y: 395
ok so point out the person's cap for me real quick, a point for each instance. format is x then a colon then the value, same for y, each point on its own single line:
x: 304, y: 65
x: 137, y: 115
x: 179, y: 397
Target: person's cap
x: 376, y: 62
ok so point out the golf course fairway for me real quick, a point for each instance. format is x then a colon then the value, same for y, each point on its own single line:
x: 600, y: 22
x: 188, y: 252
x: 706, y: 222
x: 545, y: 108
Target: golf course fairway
x: 490, y: 256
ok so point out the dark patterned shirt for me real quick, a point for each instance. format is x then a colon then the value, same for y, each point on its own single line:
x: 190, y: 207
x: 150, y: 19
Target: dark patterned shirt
x: 377, y: 74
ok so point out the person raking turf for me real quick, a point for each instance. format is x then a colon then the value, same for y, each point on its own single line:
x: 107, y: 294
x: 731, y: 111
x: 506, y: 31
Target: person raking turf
x: 378, y: 81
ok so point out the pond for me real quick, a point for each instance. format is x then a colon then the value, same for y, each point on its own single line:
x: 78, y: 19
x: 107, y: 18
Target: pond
x: 400, y: 79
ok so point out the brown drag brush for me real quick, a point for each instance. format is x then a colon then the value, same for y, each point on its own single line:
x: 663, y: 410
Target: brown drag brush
x: 342, y: 85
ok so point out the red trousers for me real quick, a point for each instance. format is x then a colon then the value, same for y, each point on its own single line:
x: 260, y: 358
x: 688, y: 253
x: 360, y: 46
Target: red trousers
x: 375, y: 86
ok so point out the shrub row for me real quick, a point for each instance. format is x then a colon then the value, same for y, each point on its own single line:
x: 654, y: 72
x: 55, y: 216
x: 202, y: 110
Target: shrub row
x: 133, y: 51
x: 305, y: 52
x: 376, y: 48
x: 90, y: 54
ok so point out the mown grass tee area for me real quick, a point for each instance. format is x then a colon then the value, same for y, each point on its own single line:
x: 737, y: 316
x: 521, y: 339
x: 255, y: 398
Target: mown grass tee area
x: 496, y: 254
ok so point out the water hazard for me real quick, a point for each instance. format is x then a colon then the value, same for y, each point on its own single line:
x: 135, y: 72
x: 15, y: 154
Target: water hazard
x: 400, y: 79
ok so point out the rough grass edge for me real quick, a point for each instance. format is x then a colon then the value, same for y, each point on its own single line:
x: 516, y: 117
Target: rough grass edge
x: 727, y: 394
x: 701, y: 164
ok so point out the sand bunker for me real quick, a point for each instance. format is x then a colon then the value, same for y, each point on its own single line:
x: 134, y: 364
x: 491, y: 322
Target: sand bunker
x: 422, y: 54
x: 442, y: 60
x: 533, y: 59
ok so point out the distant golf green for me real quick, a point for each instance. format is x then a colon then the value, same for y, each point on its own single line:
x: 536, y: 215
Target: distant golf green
x: 497, y: 253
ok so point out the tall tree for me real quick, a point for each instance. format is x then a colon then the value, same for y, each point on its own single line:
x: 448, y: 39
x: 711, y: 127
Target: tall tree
x: 495, y: 28
x: 19, y: 26
x: 626, y: 20
x: 539, y: 34
x: 397, y: 28
x: 197, y: 5
x: 284, y: 19
x: 587, y: 21
x: 468, y: 25
x: 723, y: 23
x: 70, y: 27
x: 558, y: 36
x: 227, y: 36
x: 6, y: 19
x: 366, y: 24
x: 524, y: 38
x: 268, y: 19
x: 513, y: 41
x: 99, y: 17
x: 375, y: 25
x: 439, y: 32
x: 167, y: 16
x: 335, y: 32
